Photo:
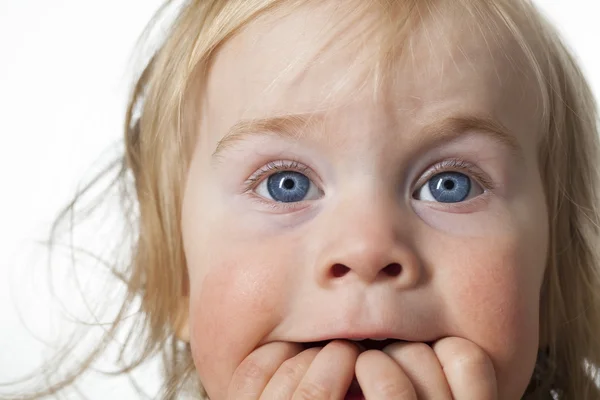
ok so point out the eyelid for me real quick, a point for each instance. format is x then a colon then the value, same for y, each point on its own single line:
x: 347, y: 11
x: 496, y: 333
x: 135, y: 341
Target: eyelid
x: 457, y: 165
x: 273, y: 167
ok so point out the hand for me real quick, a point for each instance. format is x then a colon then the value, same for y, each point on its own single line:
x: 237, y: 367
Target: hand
x: 453, y: 368
x: 284, y: 371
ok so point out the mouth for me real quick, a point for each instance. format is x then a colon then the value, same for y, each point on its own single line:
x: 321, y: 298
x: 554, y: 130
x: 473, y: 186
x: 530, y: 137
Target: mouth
x: 366, y: 344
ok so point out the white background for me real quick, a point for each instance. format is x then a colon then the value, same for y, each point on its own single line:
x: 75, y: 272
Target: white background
x: 64, y: 77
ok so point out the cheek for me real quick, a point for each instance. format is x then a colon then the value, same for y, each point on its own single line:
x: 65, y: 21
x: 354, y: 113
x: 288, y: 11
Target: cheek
x: 234, y: 302
x: 492, y: 299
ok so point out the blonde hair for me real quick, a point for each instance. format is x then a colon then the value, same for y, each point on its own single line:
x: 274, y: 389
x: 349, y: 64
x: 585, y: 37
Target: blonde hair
x: 160, y: 131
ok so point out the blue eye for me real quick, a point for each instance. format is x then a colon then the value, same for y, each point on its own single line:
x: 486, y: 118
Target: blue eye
x: 288, y: 187
x: 448, y: 187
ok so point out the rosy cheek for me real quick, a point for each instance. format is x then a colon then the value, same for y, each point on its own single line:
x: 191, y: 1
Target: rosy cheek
x: 232, y: 308
x: 495, y: 303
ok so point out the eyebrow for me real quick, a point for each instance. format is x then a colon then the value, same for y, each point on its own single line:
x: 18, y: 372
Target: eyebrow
x: 452, y: 128
x: 291, y: 127
x: 295, y: 126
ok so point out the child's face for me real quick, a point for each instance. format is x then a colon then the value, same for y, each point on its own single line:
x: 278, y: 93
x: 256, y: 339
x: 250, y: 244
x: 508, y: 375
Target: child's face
x: 364, y: 241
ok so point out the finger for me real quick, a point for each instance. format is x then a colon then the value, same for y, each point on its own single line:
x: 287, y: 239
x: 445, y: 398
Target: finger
x: 330, y: 374
x: 468, y: 369
x: 286, y: 379
x: 380, y: 377
x: 253, y: 374
x: 422, y: 367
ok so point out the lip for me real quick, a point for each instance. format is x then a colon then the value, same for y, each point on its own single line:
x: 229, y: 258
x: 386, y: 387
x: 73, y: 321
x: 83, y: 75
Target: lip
x: 328, y: 329
x: 376, y: 333
x: 363, y: 345
x: 355, y: 336
x: 366, y: 340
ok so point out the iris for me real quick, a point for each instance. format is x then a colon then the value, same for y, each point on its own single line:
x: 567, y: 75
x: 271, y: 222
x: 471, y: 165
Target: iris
x: 450, y: 187
x: 288, y: 186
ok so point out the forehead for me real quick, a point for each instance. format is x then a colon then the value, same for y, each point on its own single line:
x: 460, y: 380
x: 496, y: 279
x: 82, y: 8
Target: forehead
x: 333, y: 56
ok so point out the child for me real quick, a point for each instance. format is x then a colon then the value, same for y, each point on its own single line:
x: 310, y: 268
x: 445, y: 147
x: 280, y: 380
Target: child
x: 364, y: 199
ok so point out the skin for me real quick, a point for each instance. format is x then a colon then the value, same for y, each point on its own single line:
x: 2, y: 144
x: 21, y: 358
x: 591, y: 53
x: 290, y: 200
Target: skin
x: 265, y: 276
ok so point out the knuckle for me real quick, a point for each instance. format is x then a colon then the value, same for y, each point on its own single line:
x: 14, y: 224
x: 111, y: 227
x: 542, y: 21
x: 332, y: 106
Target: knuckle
x: 290, y: 369
x: 311, y: 390
x: 252, y: 370
x: 395, y: 390
x: 247, y: 373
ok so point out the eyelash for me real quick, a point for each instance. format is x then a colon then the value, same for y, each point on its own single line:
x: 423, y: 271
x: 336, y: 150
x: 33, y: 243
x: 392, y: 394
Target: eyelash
x: 273, y: 167
x: 452, y: 165
x: 457, y: 165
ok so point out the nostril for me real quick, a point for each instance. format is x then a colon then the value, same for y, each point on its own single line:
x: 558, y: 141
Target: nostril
x: 393, y: 270
x: 339, y: 270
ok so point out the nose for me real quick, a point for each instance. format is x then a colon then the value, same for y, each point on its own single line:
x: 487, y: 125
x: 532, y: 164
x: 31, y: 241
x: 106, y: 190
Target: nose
x: 371, y: 246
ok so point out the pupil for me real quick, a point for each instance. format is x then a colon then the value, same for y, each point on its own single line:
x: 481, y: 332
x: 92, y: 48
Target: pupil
x: 288, y: 184
x: 449, y: 185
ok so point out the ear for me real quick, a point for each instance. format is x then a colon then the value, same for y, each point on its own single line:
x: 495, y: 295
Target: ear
x: 181, y: 324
